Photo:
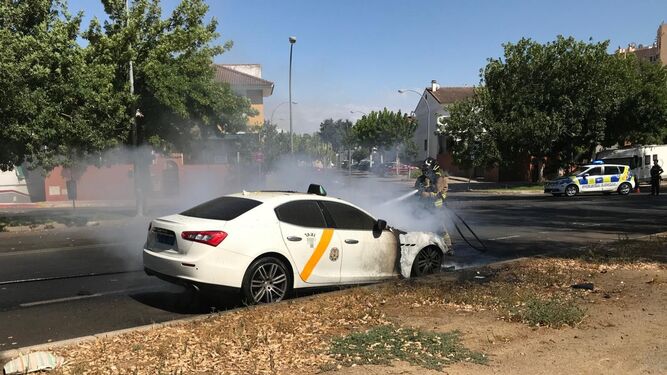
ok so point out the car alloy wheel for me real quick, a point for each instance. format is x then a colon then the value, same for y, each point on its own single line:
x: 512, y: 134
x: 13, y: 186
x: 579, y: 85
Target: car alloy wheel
x: 268, y: 282
x: 571, y: 190
x: 624, y: 189
x: 428, y: 261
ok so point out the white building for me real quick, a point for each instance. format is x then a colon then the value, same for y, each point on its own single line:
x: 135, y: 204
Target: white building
x: 438, y: 98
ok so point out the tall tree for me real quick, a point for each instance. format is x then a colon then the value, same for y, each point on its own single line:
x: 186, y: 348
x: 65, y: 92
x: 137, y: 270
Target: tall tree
x: 472, y: 132
x: 641, y: 113
x: 335, y: 132
x: 56, y: 104
x: 384, y: 129
x: 548, y: 99
x: 177, y: 98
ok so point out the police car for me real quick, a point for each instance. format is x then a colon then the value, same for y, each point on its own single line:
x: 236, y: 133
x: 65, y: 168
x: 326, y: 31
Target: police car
x: 266, y: 243
x: 597, y: 177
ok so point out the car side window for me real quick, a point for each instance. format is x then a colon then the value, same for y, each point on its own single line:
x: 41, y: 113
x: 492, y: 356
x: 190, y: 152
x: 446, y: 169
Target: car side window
x: 347, y: 217
x: 611, y: 170
x: 597, y: 171
x: 305, y: 213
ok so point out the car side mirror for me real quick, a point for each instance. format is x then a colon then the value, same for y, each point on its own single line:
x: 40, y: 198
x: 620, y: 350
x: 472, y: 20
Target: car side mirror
x: 379, y: 227
x: 586, y: 174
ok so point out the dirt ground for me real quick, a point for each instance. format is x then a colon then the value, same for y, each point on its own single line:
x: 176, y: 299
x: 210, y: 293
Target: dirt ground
x: 621, y: 334
x: 518, y: 318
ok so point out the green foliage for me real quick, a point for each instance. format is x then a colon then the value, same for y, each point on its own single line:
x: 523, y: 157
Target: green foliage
x: 559, y: 101
x: 274, y: 144
x: 470, y: 129
x: 548, y: 312
x: 56, y: 103
x: 313, y: 146
x: 173, y: 73
x: 63, y: 102
x: 337, y: 133
x: 546, y: 98
x: 384, y: 344
x: 384, y: 129
x: 641, y: 113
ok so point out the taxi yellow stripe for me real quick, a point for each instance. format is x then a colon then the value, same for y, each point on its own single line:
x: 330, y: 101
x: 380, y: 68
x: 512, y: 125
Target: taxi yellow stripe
x: 317, y: 254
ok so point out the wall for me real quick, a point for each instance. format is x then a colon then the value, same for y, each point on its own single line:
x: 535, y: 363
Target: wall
x: 168, y: 178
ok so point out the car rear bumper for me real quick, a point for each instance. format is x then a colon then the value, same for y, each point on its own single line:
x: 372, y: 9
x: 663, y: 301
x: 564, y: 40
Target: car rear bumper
x: 200, y: 286
x: 227, y: 272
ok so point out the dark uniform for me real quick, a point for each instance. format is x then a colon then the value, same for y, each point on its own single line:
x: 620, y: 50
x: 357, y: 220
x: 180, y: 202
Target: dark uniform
x: 656, y: 171
x: 432, y: 188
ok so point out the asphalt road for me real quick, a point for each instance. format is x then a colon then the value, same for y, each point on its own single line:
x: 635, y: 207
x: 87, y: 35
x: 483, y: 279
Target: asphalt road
x: 67, y: 283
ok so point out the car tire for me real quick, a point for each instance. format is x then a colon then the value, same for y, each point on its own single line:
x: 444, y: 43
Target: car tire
x: 267, y: 280
x: 427, y: 261
x: 624, y: 189
x: 571, y: 190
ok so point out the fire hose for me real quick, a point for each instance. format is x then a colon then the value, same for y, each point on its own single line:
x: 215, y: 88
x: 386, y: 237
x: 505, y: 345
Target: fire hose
x: 450, y: 214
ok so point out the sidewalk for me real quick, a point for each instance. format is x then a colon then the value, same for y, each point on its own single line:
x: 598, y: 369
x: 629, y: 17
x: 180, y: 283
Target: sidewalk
x: 459, y: 184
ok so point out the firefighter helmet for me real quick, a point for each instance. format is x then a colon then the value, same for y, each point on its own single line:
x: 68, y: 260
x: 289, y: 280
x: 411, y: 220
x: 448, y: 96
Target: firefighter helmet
x: 430, y: 164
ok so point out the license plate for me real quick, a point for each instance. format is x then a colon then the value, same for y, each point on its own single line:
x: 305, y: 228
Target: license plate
x: 165, y: 239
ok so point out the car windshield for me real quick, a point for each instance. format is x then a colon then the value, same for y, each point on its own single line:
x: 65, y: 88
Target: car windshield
x: 223, y: 208
x: 578, y: 171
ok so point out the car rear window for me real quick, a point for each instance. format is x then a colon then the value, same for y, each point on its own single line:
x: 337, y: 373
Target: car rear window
x: 223, y: 208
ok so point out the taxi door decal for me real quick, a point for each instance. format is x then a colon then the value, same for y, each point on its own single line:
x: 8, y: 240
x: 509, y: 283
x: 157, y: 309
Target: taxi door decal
x: 327, y: 234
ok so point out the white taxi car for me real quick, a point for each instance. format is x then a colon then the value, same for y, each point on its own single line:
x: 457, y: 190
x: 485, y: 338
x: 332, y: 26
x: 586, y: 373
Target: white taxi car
x: 593, y: 178
x: 267, y: 243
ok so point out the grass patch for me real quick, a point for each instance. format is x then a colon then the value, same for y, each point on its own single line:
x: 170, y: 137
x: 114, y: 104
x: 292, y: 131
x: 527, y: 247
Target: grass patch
x: 551, y: 312
x: 384, y: 344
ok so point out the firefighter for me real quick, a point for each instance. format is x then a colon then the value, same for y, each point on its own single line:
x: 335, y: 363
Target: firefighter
x: 432, y: 186
x: 656, y: 172
x: 426, y: 182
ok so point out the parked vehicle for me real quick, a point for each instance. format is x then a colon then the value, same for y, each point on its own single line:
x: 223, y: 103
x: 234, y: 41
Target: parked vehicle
x: 640, y: 159
x: 390, y: 169
x: 598, y: 177
x: 268, y: 243
x: 364, y: 165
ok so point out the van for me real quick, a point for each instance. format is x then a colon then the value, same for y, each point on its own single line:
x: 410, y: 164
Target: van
x: 639, y: 158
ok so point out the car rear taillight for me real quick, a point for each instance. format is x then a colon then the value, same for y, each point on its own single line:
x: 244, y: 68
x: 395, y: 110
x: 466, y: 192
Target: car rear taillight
x: 209, y: 237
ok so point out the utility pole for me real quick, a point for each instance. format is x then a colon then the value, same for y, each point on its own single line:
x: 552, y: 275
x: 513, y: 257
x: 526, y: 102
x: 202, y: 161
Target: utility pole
x: 138, y: 190
x: 292, y: 40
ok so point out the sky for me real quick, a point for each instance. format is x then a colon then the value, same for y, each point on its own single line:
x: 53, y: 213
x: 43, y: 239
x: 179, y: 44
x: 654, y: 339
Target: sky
x: 354, y: 55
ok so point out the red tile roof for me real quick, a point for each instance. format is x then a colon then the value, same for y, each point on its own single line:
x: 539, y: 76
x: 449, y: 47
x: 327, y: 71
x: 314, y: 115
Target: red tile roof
x: 236, y: 78
x: 448, y: 95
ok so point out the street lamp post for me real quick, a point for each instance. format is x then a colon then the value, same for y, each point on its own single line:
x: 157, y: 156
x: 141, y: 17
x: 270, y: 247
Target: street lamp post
x: 274, y: 110
x: 292, y: 40
x: 362, y: 112
x: 428, y: 118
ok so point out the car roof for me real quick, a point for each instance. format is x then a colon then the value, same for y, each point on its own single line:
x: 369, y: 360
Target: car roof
x: 279, y: 197
x: 603, y: 165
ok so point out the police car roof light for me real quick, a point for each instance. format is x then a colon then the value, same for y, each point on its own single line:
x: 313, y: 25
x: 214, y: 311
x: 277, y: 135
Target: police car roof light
x: 598, y: 161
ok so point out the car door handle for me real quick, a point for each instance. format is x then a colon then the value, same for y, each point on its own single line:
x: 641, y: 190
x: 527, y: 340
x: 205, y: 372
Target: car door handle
x: 293, y: 238
x: 351, y: 242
